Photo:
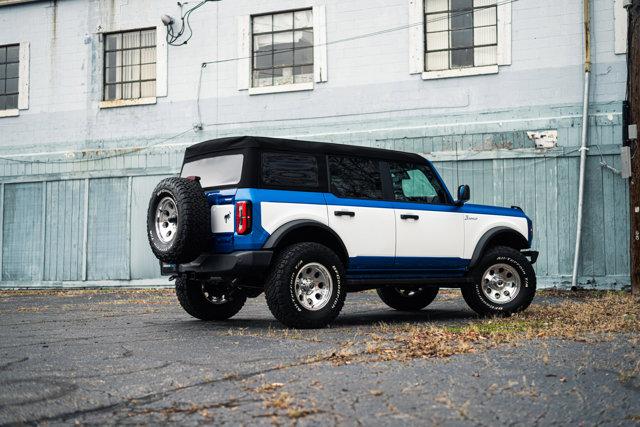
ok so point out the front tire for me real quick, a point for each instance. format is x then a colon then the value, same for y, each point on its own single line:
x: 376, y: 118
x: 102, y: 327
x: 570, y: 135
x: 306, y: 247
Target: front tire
x: 504, y: 283
x: 206, y: 300
x: 407, y: 299
x: 305, y: 287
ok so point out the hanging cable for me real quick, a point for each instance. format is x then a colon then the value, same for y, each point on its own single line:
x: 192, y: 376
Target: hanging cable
x: 172, y: 37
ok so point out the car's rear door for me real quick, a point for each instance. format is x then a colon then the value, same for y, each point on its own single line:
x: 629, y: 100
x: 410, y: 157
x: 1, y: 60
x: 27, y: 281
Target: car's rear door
x: 429, y: 228
x: 359, y: 214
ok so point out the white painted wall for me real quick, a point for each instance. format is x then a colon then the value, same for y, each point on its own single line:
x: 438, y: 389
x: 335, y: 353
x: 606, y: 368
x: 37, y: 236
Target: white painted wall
x: 367, y: 76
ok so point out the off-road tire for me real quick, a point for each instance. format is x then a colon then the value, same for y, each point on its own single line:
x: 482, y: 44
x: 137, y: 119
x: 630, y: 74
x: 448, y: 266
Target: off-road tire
x: 394, y: 299
x: 193, y: 301
x: 193, y: 233
x: 478, y: 301
x: 280, y: 286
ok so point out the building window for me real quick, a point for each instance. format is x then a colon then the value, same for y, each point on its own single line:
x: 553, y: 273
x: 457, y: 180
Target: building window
x: 282, y: 48
x: 130, y: 65
x: 460, y: 34
x: 9, y: 72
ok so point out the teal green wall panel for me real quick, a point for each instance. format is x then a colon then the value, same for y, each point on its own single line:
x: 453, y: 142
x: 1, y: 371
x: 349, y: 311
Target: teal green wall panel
x: 64, y: 230
x: 108, y: 230
x: 22, y: 242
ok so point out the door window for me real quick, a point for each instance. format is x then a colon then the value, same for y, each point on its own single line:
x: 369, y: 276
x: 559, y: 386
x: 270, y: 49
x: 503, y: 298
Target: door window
x: 355, y: 177
x: 416, y: 183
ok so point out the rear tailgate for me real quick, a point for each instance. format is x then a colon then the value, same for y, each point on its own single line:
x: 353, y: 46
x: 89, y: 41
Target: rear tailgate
x: 222, y: 218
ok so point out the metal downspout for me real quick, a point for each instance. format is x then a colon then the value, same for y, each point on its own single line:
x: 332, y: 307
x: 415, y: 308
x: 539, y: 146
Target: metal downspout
x: 583, y: 144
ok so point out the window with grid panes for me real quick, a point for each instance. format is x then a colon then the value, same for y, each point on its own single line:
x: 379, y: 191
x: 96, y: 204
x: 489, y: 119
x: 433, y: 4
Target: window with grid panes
x: 282, y: 48
x: 130, y: 65
x: 460, y: 34
x: 9, y: 69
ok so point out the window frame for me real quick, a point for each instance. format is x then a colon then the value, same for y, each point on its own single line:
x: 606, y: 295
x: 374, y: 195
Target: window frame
x: 245, y: 54
x: 381, y: 169
x: 23, y: 80
x: 293, y: 65
x: 5, y: 78
x: 160, y: 75
x: 391, y: 194
x: 450, y: 49
x: 417, y: 44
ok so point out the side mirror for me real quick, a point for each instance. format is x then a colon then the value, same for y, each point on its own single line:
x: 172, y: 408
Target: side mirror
x: 464, y: 194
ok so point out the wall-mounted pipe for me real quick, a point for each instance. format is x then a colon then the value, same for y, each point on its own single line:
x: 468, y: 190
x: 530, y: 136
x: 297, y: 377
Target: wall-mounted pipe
x: 583, y: 143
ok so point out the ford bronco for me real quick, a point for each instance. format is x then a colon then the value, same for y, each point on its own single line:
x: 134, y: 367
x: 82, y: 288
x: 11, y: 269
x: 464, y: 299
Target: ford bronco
x: 307, y: 222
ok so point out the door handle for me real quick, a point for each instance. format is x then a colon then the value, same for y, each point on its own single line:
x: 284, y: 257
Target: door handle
x: 344, y: 213
x: 409, y: 216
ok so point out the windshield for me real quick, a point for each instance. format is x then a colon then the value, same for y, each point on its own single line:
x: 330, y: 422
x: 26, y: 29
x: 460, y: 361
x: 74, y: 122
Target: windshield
x: 215, y: 171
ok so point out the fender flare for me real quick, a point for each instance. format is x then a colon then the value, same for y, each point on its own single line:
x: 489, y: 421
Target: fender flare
x: 282, y: 231
x: 487, y: 236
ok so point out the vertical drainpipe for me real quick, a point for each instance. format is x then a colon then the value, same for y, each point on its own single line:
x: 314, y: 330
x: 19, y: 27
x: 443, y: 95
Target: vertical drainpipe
x: 583, y: 144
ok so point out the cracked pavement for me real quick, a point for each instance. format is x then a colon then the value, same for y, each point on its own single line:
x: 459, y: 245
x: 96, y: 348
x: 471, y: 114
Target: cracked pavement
x: 134, y: 357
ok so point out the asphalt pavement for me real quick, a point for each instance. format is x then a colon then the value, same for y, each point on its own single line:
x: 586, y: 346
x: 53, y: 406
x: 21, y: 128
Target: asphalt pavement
x: 122, y: 357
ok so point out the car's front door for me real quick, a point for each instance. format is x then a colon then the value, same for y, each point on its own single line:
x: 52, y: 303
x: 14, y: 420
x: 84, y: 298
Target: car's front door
x: 429, y: 228
x: 359, y: 215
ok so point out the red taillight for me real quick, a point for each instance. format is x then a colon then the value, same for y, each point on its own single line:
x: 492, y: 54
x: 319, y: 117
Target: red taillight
x: 243, y: 217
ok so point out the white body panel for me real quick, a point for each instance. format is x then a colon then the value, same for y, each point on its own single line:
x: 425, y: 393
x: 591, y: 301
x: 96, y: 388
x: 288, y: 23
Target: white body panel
x: 222, y: 219
x: 275, y: 214
x: 371, y: 232
x: 380, y: 232
x: 475, y: 225
x: 433, y: 234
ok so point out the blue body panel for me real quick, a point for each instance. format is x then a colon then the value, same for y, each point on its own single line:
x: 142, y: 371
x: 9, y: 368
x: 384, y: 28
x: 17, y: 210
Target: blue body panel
x: 359, y: 267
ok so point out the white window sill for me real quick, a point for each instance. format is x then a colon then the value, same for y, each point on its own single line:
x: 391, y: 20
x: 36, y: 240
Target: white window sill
x: 460, y: 72
x: 14, y: 112
x: 281, y: 88
x: 127, y: 102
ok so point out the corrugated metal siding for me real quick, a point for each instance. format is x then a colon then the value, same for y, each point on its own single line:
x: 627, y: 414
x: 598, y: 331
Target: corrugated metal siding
x: 64, y: 236
x: 108, y: 230
x: 22, y: 232
x: 502, y: 168
x: 144, y: 264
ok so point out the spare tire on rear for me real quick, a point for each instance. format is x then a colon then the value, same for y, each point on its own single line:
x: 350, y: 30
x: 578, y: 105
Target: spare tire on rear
x: 178, y: 220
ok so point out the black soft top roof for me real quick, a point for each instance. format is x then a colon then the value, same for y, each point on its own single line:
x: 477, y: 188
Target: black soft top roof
x: 205, y: 148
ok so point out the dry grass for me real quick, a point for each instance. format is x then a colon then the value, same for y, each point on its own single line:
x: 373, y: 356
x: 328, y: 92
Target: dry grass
x: 591, y: 316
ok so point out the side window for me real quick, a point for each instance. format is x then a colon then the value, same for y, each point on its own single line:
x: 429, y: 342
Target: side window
x: 290, y: 170
x: 356, y: 178
x: 416, y: 183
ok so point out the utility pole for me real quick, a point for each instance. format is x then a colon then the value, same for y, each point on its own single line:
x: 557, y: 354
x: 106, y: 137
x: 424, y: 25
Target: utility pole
x: 633, y: 94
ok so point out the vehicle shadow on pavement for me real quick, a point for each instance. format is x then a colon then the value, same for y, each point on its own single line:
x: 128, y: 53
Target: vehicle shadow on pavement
x: 364, y: 319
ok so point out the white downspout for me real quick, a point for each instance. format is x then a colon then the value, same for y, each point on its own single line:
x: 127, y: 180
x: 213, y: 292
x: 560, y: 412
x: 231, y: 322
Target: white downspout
x: 583, y: 144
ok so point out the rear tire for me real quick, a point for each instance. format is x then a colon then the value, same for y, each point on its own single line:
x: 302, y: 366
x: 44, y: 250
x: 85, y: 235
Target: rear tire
x: 305, y: 287
x: 178, y: 220
x: 504, y: 283
x: 208, y: 301
x: 407, y: 299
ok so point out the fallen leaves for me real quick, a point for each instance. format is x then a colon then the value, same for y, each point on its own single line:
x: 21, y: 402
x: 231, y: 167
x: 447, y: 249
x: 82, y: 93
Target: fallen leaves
x: 586, y: 318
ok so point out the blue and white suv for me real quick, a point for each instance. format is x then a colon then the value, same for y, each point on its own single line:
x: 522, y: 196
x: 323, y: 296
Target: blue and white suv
x: 307, y: 222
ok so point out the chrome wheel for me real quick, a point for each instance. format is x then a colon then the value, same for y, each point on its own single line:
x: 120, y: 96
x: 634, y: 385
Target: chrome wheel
x: 501, y: 283
x: 313, y: 286
x: 166, y: 219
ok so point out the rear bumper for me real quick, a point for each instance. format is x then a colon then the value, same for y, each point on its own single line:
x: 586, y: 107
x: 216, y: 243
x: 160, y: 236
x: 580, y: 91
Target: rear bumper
x: 235, y: 263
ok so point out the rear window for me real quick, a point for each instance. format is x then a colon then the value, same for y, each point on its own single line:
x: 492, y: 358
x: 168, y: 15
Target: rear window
x: 216, y: 171
x: 290, y: 170
x: 355, y: 178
